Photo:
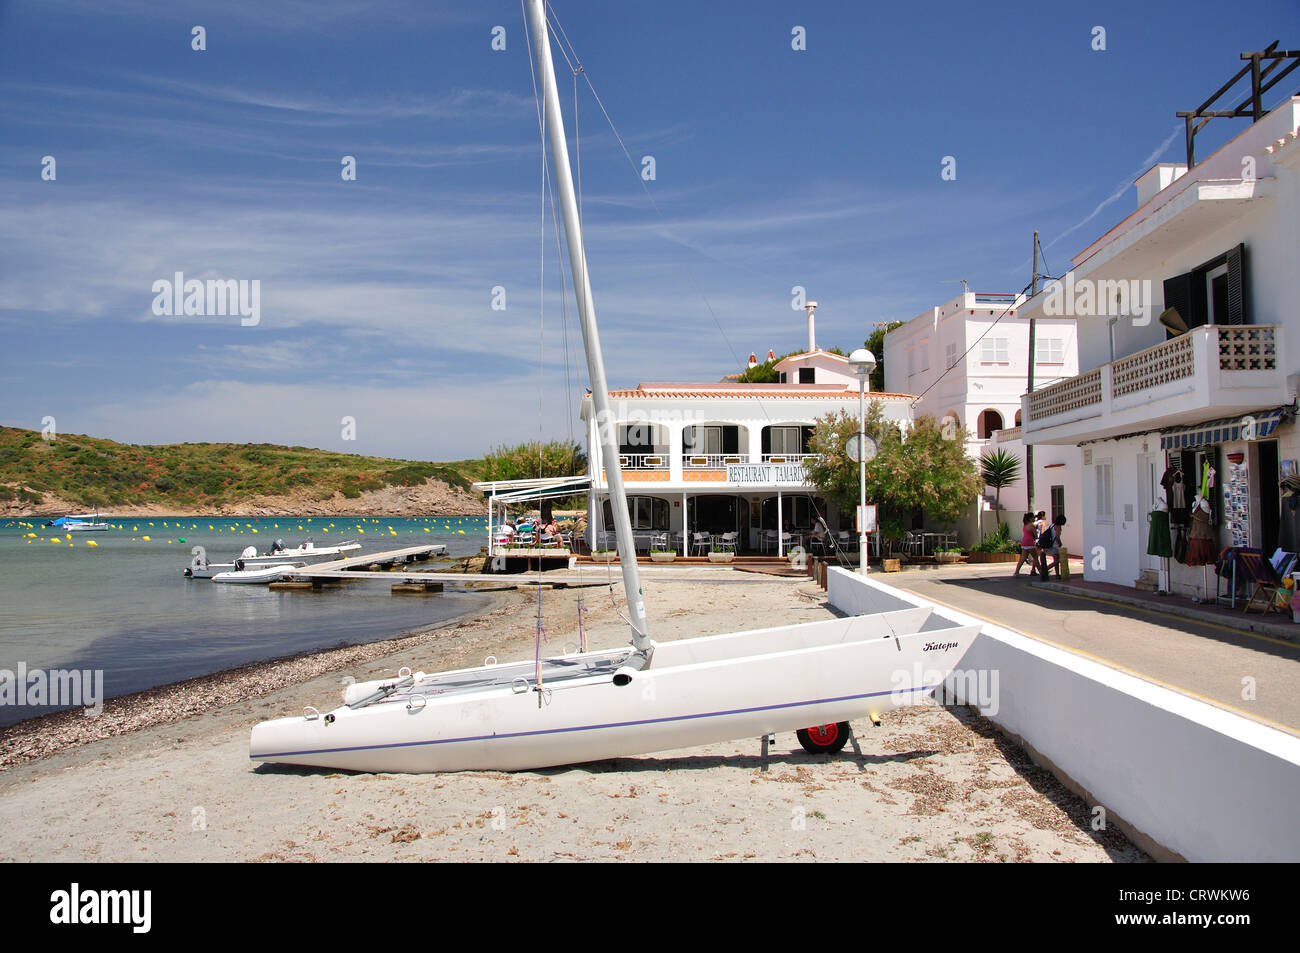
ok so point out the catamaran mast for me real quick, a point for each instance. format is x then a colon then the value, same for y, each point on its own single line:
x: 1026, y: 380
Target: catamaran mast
x: 606, y: 425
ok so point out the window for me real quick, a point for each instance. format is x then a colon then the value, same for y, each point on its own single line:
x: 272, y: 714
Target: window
x: 911, y: 362
x: 703, y: 440
x: 807, y: 375
x: 1058, y: 502
x: 636, y: 438
x: 1049, y: 351
x: 784, y: 440
x: 1216, y: 295
x: 925, y: 355
x: 1105, y: 491
x: 646, y: 512
x: 994, y: 351
x: 950, y: 355
x: 1215, y: 292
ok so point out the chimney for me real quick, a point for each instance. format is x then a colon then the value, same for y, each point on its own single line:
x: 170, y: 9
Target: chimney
x: 810, y: 307
x: 1160, y: 176
x: 771, y: 354
x: 753, y: 359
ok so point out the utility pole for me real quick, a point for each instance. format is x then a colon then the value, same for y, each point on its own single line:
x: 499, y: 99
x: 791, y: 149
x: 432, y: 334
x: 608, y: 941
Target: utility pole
x: 1029, y: 450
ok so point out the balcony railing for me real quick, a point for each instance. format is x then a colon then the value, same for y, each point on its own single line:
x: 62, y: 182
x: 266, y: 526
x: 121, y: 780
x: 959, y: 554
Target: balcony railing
x: 710, y: 461
x: 1157, y: 365
x: 1210, y: 368
x: 1072, y: 394
x: 643, y: 461
x: 1248, y: 347
x: 788, y: 457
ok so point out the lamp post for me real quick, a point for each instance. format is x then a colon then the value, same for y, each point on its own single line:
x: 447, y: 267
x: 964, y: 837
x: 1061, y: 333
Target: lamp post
x: 863, y: 363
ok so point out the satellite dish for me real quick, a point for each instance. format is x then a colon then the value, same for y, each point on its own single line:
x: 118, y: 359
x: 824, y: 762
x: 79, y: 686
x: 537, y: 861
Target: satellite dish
x: 1172, y: 320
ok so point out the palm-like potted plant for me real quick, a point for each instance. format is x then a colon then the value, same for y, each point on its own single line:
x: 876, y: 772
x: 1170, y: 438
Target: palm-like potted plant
x: 999, y: 469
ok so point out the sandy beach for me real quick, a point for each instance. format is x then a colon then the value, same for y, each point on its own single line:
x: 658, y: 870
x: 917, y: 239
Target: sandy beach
x: 172, y: 779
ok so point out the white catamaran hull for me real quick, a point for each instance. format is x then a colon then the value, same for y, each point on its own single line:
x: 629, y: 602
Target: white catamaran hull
x: 698, y: 691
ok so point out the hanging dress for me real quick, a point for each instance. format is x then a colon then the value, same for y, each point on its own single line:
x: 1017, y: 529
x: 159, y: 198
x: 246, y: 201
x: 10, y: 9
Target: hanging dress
x: 1158, y: 540
x: 1200, y: 540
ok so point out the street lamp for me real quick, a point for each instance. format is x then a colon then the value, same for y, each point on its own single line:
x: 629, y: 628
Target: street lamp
x: 863, y: 363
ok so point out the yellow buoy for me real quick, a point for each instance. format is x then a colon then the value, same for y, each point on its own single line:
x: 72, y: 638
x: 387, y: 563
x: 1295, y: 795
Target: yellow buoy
x: 146, y: 539
x: 91, y: 542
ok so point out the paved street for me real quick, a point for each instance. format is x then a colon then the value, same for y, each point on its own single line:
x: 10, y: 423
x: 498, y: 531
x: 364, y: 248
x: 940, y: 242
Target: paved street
x: 1202, y: 659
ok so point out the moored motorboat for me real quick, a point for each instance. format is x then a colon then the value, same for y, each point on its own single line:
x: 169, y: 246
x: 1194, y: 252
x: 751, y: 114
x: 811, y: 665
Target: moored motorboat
x: 305, y: 553
x: 84, y: 523
x: 259, y: 575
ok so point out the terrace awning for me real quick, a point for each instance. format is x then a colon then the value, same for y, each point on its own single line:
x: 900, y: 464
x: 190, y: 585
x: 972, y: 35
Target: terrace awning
x: 518, y: 491
x: 1224, y: 430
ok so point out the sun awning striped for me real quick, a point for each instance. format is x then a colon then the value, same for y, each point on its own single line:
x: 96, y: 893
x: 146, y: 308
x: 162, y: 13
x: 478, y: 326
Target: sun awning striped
x: 1224, y: 430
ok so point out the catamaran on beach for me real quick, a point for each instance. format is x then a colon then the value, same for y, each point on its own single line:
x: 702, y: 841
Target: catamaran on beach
x: 812, y: 678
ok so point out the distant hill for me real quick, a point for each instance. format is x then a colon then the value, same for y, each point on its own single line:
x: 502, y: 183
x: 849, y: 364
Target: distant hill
x: 79, y: 473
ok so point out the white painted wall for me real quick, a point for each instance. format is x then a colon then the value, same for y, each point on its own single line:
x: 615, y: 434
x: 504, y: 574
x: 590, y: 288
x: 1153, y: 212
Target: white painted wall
x: 1197, y: 780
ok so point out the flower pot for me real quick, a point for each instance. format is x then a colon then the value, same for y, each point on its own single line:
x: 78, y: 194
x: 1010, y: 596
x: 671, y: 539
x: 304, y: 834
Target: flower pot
x: 662, y: 557
x: 945, y: 558
x: 606, y: 557
x: 993, y: 557
x: 721, y: 557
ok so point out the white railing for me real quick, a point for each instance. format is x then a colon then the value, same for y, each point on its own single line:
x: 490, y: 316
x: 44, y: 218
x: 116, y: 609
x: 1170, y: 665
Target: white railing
x: 788, y: 457
x: 710, y: 461
x: 1171, y: 361
x: 643, y: 461
x: 1071, y: 394
x: 1248, y: 347
x: 1237, y: 348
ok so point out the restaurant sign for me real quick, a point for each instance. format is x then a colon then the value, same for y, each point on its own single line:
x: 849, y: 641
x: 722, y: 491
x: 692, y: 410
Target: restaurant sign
x: 766, y: 473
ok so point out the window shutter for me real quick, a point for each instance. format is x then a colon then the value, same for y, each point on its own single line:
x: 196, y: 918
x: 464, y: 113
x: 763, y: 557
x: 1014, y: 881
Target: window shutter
x: 1178, y: 294
x: 1237, y: 313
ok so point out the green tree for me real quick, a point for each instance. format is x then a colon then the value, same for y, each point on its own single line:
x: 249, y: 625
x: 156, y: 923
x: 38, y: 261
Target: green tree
x: 875, y: 343
x: 765, y: 373
x: 999, y: 469
x: 928, y: 470
x: 534, y: 460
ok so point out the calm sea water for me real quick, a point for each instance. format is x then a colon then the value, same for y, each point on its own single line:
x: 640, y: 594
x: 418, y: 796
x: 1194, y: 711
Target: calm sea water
x: 124, y: 605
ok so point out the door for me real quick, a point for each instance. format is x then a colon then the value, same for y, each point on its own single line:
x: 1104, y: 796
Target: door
x: 1150, y: 494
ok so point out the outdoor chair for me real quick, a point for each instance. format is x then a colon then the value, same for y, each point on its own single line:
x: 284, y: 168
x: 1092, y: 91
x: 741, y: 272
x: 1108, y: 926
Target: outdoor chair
x: 701, y: 543
x: 1265, y: 579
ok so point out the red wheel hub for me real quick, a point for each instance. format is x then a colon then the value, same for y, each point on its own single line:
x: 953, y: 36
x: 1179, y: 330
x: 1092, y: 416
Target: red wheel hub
x: 824, y: 734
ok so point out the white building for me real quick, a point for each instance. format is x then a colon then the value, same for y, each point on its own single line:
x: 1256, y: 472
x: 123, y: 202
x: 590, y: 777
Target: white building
x: 1220, y: 244
x: 968, y: 360
x: 726, y: 457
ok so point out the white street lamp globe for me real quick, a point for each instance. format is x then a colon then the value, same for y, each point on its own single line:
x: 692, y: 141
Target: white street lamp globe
x: 863, y: 362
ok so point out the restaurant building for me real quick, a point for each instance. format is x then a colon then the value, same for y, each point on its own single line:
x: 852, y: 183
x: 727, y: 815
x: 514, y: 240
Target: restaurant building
x: 726, y: 457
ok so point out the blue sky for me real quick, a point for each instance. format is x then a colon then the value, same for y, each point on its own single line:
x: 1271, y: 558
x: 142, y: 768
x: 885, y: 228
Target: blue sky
x: 774, y: 168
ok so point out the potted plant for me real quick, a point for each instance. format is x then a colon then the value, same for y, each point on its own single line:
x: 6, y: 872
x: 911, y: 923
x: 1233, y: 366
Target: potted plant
x: 604, y: 556
x: 948, y: 555
x: 722, y: 553
x: 997, y: 547
x: 662, y: 555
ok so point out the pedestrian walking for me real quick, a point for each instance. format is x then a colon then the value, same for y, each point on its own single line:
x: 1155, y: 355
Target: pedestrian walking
x: 1049, y: 544
x: 1028, y: 546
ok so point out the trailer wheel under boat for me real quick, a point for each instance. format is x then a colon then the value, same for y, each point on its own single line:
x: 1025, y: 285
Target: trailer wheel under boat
x: 824, y: 739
